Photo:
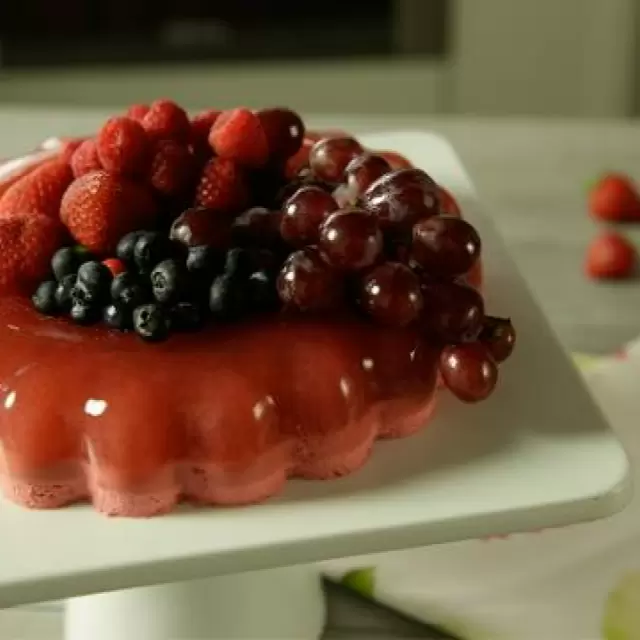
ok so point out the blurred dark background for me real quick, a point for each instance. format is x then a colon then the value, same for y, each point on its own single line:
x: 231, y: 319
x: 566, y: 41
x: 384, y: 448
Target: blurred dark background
x: 37, y: 33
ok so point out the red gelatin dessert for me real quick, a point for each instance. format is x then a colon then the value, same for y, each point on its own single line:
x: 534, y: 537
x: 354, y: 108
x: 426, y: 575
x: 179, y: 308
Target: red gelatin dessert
x: 209, y: 341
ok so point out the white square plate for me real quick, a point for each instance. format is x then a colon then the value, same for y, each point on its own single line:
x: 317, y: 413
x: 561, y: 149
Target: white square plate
x: 537, y: 454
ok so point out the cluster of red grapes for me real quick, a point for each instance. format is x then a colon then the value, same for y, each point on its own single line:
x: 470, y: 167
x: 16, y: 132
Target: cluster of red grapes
x: 379, y: 238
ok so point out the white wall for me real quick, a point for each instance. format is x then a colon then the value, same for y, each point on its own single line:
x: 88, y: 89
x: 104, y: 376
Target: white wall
x: 551, y: 57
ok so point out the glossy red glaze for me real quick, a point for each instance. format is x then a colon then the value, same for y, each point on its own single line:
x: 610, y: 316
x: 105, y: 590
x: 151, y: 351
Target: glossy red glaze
x: 223, y: 416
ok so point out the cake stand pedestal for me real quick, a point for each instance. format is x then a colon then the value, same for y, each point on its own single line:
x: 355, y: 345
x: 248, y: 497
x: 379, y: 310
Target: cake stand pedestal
x: 277, y: 604
x: 537, y: 454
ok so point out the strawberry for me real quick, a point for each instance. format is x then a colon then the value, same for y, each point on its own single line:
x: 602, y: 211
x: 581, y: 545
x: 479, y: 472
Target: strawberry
x: 137, y: 112
x: 85, y: 158
x: 448, y: 204
x: 27, y: 244
x: 14, y: 170
x: 123, y: 146
x: 614, y: 198
x: 238, y: 135
x: 201, y: 125
x: 610, y: 256
x: 395, y: 160
x: 165, y: 120
x: 223, y: 186
x: 172, y: 168
x: 38, y: 192
x: 101, y: 207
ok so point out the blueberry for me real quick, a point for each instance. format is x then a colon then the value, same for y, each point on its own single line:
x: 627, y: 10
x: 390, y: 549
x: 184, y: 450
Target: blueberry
x: 67, y: 261
x: 151, y: 322
x: 44, y: 299
x: 238, y: 263
x: 150, y: 248
x: 127, y: 289
x: 168, y: 281
x: 117, y: 316
x: 93, y: 282
x: 125, y: 247
x: 203, y: 259
x: 261, y: 292
x: 227, y: 297
x: 64, y: 291
x: 187, y: 316
x: 82, y: 313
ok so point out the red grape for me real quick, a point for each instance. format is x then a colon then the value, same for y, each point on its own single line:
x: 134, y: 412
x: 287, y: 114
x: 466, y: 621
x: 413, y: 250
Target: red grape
x: 469, y: 371
x: 201, y: 226
x: 400, y: 198
x: 350, y: 239
x: 391, y: 294
x: 452, y: 311
x: 303, y: 179
x: 304, y: 212
x: 364, y: 170
x: 445, y: 246
x: 284, y: 131
x: 308, y: 283
x: 329, y: 157
x: 499, y: 336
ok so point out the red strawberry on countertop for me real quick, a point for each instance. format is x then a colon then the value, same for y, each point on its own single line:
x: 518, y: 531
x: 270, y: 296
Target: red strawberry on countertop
x: 610, y: 256
x: 614, y: 198
x: 38, y: 192
x: 27, y: 244
x: 101, y: 207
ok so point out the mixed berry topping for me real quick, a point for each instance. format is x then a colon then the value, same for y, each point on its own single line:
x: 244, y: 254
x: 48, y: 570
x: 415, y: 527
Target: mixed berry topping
x: 161, y: 224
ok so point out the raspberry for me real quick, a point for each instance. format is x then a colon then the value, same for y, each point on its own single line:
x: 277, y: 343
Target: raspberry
x: 165, y: 120
x: 238, y: 135
x: 172, y: 168
x: 201, y: 125
x: 123, y: 146
x: 137, y: 112
x: 223, y: 186
x: 85, y: 158
x: 101, y: 207
x: 40, y: 191
x: 27, y: 244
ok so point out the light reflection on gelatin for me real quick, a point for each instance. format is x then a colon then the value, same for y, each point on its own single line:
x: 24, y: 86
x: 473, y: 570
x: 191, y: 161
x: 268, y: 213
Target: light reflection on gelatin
x: 95, y: 408
x: 259, y: 408
x: 10, y: 400
x: 368, y: 364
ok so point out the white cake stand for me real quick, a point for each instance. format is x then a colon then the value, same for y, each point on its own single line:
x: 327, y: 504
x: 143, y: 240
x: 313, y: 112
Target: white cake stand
x: 538, y: 454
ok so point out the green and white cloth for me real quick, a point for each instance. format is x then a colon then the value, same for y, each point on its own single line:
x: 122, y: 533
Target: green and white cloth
x: 577, y: 583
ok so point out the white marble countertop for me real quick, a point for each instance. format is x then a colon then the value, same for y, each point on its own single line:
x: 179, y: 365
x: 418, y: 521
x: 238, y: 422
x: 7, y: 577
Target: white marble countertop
x: 532, y: 175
